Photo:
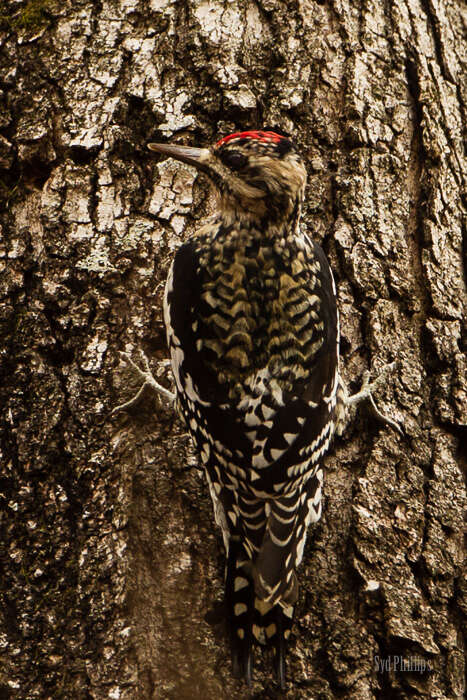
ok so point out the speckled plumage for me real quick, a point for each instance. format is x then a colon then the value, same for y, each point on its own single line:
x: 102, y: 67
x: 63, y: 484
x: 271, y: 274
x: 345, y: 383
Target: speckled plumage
x: 252, y: 329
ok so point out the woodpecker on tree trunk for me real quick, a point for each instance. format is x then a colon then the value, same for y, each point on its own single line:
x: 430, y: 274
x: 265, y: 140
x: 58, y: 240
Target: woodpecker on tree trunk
x: 253, y: 335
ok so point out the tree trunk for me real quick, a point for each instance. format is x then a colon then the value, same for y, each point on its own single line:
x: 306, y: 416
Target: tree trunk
x: 112, y: 566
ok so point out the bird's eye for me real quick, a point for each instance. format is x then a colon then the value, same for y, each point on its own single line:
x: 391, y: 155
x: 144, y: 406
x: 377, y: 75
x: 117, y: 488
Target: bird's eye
x: 234, y: 160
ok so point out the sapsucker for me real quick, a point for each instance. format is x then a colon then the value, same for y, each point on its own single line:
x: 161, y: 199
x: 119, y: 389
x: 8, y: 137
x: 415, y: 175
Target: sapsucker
x: 253, y: 335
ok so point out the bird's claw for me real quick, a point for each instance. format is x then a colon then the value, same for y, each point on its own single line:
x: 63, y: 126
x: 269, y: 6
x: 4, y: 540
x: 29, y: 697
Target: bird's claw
x: 366, y: 392
x: 147, y: 379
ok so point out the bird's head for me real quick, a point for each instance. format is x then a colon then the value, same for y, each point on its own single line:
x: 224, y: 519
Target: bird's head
x: 257, y: 173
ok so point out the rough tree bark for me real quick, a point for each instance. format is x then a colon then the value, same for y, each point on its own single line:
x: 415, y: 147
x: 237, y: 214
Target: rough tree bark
x: 111, y: 567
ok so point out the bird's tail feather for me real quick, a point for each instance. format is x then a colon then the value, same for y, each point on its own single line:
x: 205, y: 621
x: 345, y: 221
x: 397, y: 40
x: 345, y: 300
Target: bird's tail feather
x: 252, y: 620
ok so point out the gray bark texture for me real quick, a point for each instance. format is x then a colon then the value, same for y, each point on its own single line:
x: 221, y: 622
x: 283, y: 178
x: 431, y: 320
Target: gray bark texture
x: 112, y: 569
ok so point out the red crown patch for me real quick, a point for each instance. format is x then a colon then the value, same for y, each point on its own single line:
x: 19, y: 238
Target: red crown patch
x: 259, y: 135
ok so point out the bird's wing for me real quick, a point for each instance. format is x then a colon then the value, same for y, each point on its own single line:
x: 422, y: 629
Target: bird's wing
x: 287, y: 454
x: 203, y: 399
x: 292, y: 420
x: 182, y: 296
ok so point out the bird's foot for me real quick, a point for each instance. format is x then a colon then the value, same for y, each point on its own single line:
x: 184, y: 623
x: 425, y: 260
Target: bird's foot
x: 147, y: 379
x: 366, y: 392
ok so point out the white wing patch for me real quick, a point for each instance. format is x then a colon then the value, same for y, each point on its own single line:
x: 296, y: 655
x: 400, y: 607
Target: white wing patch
x: 183, y: 382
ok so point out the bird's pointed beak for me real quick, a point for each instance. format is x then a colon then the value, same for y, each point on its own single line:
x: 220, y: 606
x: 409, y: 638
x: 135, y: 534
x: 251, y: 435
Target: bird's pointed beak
x: 187, y: 154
